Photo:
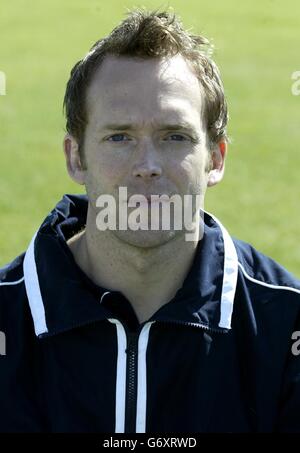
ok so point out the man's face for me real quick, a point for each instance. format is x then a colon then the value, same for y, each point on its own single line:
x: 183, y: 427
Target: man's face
x: 145, y: 132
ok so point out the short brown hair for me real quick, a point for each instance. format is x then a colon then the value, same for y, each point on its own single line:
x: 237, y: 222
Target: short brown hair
x: 148, y: 34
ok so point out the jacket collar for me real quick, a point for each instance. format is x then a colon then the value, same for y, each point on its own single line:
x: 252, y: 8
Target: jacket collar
x: 62, y: 297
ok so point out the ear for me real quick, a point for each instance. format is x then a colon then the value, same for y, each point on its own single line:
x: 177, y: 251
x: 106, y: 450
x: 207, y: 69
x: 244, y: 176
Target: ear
x: 218, y: 156
x: 74, y: 166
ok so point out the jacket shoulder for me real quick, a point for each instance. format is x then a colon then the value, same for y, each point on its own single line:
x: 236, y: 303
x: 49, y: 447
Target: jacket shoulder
x: 263, y: 270
x: 12, y: 287
x: 12, y: 272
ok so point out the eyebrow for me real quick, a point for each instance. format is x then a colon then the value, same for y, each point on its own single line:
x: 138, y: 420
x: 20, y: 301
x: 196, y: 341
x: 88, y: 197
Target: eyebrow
x: 172, y: 127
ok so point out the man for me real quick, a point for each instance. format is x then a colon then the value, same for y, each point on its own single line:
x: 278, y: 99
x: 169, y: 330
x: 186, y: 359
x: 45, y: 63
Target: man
x: 139, y: 329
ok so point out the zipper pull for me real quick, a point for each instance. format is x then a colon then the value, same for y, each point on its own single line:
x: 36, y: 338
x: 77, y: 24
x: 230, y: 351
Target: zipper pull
x: 132, y: 337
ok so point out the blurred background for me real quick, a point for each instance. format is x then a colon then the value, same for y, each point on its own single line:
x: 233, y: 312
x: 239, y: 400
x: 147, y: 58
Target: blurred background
x: 257, y: 49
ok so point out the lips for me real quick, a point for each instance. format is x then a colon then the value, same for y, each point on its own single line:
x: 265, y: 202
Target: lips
x: 151, y: 199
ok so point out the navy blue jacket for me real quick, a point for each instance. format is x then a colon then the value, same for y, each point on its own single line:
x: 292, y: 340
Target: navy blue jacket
x: 219, y: 357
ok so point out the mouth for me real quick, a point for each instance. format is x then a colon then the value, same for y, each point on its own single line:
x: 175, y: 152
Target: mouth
x: 149, y: 199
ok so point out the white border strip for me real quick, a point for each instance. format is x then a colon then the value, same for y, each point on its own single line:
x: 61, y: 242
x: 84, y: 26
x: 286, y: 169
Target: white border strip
x: 121, y: 377
x: 141, y: 408
x: 103, y: 295
x: 12, y: 283
x: 230, y: 275
x: 268, y: 285
x: 33, y: 290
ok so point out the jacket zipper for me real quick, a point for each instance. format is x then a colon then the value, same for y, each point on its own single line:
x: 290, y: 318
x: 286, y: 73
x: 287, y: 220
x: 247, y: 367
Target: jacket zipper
x: 131, y: 387
x: 131, y: 371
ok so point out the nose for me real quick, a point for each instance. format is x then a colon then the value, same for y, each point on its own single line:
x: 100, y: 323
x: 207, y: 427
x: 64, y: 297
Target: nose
x: 147, y: 164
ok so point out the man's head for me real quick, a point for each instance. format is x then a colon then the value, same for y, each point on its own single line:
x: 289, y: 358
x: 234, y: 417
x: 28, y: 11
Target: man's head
x: 146, y: 110
x: 148, y: 35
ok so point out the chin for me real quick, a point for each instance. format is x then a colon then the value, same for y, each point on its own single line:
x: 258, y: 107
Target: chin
x: 146, y: 239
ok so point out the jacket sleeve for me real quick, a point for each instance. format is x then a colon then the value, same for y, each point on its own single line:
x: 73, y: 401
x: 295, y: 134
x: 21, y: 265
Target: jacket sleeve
x: 20, y: 402
x: 289, y: 410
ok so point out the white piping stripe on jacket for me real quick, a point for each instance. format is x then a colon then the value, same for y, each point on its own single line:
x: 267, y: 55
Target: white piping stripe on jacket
x: 268, y: 285
x: 230, y: 275
x: 227, y: 298
x: 12, y: 283
x: 33, y: 290
x: 121, y: 377
x: 103, y: 295
x: 141, y: 406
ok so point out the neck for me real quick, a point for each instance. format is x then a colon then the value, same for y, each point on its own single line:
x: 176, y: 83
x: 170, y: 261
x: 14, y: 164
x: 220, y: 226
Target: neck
x: 147, y: 277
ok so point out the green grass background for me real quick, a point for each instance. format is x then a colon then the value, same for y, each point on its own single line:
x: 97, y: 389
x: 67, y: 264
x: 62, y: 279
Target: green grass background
x: 257, y: 48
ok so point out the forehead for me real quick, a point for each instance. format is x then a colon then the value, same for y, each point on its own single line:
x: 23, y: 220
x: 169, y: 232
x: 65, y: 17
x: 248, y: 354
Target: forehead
x: 127, y: 86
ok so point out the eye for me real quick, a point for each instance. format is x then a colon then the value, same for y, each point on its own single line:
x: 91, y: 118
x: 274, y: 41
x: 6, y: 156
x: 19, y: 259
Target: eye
x: 118, y: 138
x: 176, y: 137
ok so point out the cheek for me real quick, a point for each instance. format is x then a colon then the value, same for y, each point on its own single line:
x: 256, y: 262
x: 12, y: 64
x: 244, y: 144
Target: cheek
x: 102, y: 179
x: 105, y: 169
x: 110, y: 171
x: 103, y: 164
x: 191, y: 175
x: 193, y: 168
